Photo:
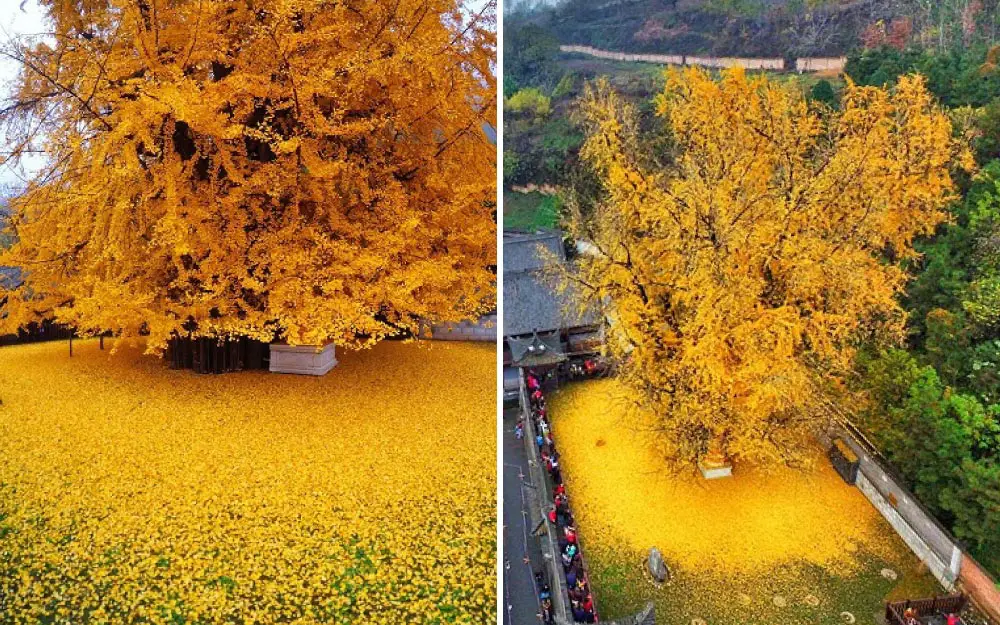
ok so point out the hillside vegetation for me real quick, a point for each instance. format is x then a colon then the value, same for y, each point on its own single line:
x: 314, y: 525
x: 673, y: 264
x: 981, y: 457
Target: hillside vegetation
x: 764, y: 27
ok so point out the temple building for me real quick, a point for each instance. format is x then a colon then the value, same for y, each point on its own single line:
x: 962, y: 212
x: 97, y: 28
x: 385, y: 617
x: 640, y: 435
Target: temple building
x: 542, y: 326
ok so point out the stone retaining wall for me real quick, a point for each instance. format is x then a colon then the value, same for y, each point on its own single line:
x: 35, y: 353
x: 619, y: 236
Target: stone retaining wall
x: 732, y: 61
x: 664, y: 59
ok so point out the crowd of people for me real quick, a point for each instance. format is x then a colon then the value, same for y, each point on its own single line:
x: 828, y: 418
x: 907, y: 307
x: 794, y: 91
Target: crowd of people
x: 560, y: 515
x: 912, y: 617
x: 586, y: 368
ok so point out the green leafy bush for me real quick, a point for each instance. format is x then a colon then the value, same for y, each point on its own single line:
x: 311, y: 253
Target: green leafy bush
x: 530, y: 100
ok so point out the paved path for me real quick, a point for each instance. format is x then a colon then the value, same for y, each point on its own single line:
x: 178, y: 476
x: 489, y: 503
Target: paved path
x: 521, y: 555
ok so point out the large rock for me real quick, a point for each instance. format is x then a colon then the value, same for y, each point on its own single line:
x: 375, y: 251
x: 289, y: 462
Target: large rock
x: 656, y: 566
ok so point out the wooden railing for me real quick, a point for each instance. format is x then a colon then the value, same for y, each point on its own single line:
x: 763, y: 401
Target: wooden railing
x: 951, y: 604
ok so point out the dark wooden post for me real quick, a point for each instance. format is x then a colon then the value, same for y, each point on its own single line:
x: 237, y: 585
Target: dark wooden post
x: 102, y: 342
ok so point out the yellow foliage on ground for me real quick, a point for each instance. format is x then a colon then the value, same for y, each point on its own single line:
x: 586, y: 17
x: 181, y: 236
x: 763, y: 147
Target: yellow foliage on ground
x: 756, y: 521
x: 133, y: 493
x: 767, y: 547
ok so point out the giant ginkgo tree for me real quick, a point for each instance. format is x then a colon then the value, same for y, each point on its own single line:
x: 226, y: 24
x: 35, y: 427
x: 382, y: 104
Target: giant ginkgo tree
x: 740, y: 277
x: 310, y: 170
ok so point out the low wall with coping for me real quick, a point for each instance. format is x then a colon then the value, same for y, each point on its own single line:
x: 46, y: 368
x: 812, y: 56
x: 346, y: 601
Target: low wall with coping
x: 933, y: 544
x: 821, y: 64
x: 562, y: 610
x: 803, y: 64
x: 914, y: 524
x: 914, y: 538
x: 485, y: 330
x: 646, y: 616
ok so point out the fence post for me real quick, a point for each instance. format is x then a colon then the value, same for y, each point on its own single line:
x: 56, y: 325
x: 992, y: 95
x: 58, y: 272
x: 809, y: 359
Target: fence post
x: 71, y: 344
x: 102, y: 342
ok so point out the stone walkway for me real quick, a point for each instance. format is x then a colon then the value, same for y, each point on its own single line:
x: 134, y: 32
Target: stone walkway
x: 521, y: 555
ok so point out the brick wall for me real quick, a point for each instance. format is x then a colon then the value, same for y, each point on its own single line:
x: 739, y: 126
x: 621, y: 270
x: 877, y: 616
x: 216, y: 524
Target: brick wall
x: 980, y: 586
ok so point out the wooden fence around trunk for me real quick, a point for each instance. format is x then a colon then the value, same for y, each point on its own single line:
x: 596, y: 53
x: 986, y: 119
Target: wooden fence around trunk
x: 36, y: 333
x: 212, y: 355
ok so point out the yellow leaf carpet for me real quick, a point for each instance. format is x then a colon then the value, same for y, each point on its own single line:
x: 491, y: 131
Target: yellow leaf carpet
x: 760, y: 547
x: 130, y: 493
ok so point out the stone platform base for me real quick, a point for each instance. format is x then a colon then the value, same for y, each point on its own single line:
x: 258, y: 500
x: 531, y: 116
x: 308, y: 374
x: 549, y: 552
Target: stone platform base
x: 713, y: 472
x: 303, y: 359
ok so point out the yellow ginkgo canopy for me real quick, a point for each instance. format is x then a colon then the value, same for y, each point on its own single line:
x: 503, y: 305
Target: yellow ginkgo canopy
x: 299, y: 169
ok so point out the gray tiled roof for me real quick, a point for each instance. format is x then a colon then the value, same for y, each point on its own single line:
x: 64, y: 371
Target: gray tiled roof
x: 538, y: 349
x: 531, y: 301
x: 533, y: 250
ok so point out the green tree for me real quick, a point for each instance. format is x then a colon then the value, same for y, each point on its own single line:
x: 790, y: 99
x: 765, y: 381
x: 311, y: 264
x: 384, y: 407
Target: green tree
x: 960, y: 263
x: 823, y: 92
x: 511, y: 167
x: 946, y: 343
x: 974, y: 502
x: 567, y: 86
x: 986, y: 146
x: 530, y: 56
x: 956, y: 77
x: 946, y: 445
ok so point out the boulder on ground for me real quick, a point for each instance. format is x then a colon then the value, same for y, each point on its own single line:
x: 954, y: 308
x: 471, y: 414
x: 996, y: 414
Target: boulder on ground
x: 656, y: 566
